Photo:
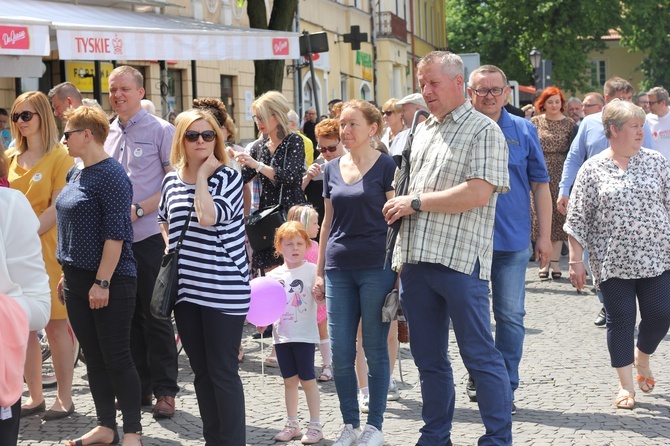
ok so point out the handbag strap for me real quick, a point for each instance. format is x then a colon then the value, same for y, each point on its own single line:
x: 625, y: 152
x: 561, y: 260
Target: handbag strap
x: 184, y: 228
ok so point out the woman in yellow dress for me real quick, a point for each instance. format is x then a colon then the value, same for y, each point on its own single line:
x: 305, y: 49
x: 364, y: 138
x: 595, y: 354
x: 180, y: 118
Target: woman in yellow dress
x: 38, y: 165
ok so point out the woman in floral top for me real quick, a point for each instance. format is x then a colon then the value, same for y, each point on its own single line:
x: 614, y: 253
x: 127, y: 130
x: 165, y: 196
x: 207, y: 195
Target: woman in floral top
x: 620, y: 211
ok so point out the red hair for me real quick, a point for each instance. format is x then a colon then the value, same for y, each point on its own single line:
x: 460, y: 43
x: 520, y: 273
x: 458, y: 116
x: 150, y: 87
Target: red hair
x: 546, y: 94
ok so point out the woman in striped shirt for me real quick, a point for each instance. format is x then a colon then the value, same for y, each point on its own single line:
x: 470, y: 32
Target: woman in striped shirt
x: 213, y: 295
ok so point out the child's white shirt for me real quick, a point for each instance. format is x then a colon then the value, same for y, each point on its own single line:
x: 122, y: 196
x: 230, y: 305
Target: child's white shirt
x: 297, y: 322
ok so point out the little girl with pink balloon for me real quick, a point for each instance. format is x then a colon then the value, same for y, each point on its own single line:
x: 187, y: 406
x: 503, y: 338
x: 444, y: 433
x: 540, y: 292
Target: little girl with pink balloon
x: 295, y: 332
x: 309, y: 217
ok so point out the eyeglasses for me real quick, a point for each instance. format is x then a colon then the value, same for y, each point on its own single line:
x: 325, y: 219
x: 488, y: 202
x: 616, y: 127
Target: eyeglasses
x: 25, y: 116
x: 483, y: 92
x: 388, y: 112
x: 642, y: 102
x: 257, y: 118
x: 207, y: 135
x: 330, y: 149
x: 654, y: 102
x: 66, y: 135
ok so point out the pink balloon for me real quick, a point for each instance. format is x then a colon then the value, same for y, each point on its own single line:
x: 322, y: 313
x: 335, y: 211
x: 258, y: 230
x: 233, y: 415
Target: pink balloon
x: 268, y: 300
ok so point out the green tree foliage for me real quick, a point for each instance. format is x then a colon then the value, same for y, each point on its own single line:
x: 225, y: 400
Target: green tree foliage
x: 503, y: 32
x: 645, y: 27
x: 269, y: 74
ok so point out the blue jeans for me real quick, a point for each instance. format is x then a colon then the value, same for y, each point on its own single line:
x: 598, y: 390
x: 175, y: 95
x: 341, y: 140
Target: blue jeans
x: 430, y: 294
x: 353, y: 296
x: 508, y: 284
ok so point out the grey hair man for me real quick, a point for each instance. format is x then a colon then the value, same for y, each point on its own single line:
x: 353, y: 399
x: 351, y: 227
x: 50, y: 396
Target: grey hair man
x: 573, y: 109
x: 659, y: 119
x: 410, y: 104
x: 445, y: 248
x: 64, y: 96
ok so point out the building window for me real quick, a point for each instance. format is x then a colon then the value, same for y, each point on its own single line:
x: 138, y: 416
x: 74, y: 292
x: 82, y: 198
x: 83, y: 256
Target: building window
x: 598, y: 73
x: 175, y: 100
x: 366, y: 92
x: 343, y: 88
x: 227, y: 95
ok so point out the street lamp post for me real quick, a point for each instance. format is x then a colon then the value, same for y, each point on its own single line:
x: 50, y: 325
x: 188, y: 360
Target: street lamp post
x: 536, y: 61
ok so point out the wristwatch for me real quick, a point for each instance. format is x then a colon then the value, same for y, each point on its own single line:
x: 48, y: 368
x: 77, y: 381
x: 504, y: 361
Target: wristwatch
x: 416, y: 203
x: 138, y: 210
x: 104, y: 284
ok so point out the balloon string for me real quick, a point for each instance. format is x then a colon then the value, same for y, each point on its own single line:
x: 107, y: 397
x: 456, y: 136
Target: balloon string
x: 262, y: 360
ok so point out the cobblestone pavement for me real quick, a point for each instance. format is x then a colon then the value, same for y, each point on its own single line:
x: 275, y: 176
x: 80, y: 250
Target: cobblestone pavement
x: 565, y: 398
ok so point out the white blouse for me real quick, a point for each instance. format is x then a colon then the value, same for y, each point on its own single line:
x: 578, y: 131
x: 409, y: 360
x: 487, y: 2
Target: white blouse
x: 623, y: 217
x: 23, y: 275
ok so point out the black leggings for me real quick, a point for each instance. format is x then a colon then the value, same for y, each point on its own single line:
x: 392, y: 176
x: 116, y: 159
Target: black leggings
x: 653, y: 294
x: 104, y: 336
x: 9, y: 428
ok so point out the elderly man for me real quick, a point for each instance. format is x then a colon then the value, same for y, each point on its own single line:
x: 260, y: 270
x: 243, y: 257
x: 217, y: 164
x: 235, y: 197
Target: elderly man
x: 574, y: 109
x: 593, y: 103
x: 141, y: 142
x: 487, y: 88
x: 458, y: 167
x: 63, y: 96
x: 410, y: 104
x: 659, y: 120
x: 590, y: 141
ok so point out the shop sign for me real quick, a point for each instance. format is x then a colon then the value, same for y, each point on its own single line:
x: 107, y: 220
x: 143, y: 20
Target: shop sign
x: 81, y: 75
x: 14, y: 38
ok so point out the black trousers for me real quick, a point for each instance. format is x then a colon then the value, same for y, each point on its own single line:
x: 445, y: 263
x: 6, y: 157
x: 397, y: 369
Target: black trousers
x: 104, y: 336
x: 212, y: 340
x: 152, y: 341
x: 9, y: 428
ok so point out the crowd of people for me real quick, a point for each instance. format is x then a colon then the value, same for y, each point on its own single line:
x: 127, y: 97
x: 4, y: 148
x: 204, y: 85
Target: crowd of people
x: 472, y: 185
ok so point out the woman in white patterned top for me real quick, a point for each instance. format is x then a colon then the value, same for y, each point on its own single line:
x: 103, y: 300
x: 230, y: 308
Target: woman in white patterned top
x: 620, y: 211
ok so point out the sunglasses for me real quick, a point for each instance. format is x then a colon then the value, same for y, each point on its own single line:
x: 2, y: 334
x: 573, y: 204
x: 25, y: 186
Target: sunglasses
x: 207, y: 135
x: 25, y: 116
x: 388, y: 112
x: 66, y: 135
x: 650, y: 103
x: 330, y: 149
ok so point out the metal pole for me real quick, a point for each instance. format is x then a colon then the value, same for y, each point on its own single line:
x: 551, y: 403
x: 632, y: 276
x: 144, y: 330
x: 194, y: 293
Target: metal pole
x: 311, y: 71
x: 194, y: 79
x: 97, y: 79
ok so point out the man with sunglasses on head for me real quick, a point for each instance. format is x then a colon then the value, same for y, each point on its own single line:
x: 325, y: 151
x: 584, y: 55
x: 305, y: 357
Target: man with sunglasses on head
x: 141, y: 142
x: 590, y: 141
x: 659, y: 119
x: 487, y: 88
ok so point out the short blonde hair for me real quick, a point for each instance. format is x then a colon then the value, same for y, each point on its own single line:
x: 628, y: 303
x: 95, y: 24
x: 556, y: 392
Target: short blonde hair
x: 48, y: 129
x: 91, y: 118
x: 618, y: 112
x: 273, y: 103
x: 391, y: 103
x: 178, y: 153
x: 127, y: 69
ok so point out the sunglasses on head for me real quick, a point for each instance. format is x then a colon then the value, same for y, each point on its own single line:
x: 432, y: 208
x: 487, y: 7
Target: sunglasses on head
x: 330, y: 149
x: 207, y: 135
x: 25, y: 116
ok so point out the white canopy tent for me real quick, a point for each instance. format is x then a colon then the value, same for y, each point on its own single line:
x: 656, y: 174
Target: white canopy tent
x: 81, y: 32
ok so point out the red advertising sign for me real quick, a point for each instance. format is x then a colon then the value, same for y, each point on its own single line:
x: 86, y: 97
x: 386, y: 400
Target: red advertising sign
x: 280, y: 46
x: 14, y: 38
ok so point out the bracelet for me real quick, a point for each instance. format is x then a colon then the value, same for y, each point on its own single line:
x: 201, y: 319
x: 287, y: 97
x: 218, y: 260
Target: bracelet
x: 260, y: 167
x: 575, y: 262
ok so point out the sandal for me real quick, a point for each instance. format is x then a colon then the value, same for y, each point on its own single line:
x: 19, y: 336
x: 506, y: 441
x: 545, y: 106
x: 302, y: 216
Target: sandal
x: 313, y: 434
x: 625, y: 399
x: 271, y: 361
x: 543, y: 274
x: 326, y: 373
x: 290, y: 431
x: 643, y: 379
x: 555, y: 275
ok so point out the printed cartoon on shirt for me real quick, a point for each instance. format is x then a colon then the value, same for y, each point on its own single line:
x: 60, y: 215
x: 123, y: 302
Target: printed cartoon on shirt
x: 295, y: 303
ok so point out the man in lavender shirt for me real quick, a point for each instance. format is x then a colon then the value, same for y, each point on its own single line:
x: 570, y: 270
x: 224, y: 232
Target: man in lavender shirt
x: 141, y: 142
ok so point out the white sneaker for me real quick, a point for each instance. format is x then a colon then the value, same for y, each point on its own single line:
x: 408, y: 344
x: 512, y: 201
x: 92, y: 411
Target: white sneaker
x: 348, y: 436
x: 371, y: 436
x: 364, y: 403
x: 394, y: 393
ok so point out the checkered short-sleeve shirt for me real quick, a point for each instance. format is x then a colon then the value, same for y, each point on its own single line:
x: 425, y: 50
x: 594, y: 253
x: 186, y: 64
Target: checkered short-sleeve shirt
x: 464, y: 146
